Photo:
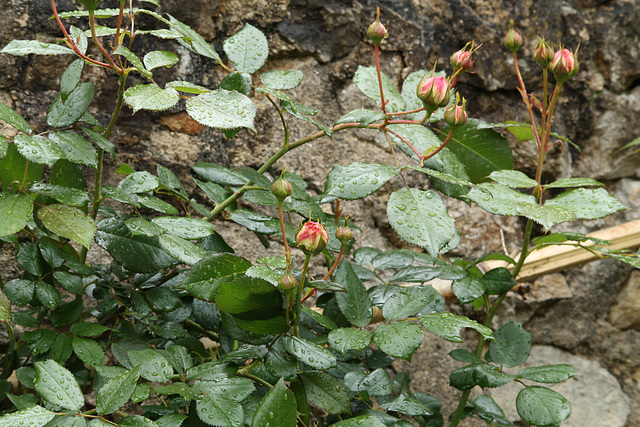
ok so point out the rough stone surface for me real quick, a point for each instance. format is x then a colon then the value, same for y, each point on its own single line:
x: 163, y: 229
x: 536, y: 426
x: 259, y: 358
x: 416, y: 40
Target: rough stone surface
x: 595, y: 395
x: 626, y: 312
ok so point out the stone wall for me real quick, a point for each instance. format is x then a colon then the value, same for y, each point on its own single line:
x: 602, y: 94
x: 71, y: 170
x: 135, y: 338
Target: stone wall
x: 588, y: 316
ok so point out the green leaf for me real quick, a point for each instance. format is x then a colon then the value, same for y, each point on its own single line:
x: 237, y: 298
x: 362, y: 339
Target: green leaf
x: 345, y: 339
x: 68, y: 222
x: 159, y: 58
x: 88, y: 351
x: 14, y: 168
x: 501, y: 200
x: 498, y: 280
x: 139, y: 182
x: 136, y: 421
x: 222, y: 109
x: 15, y: 212
x: 150, y: 97
x: 153, y: 365
x: 206, y: 276
x: 442, y: 176
x: 482, y: 150
x: 253, y: 221
x: 432, y: 229
x: 66, y: 195
x: 277, y: 408
x: 240, y: 82
x: 254, y: 298
x: 247, y: 49
x: 67, y: 112
x: 133, y: 59
x: 377, y: 383
x: 417, y: 274
x: 171, y: 420
x: 5, y: 308
x: 48, y: 295
x: 187, y: 228
x: 219, y: 174
x: 282, y: 80
x: 548, y: 373
x: 38, y: 149
x: 76, y: 148
x: 141, y: 227
x: 512, y: 345
x: 407, y: 405
x: 87, y: 329
x: 362, y: 420
x: 192, y: 40
x: 163, y: 298
x: 156, y: 204
x: 573, y: 182
x: 363, y: 117
x: 177, y: 388
x: 488, y: 410
x: 464, y: 356
x: 355, y: 304
x: 188, y: 87
x: 26, y: 47
x: 100, y: 141
x: 116, y: 393
x: 448, y: 326
x: 468, y: 289
x: 20, y: 291
x: 58, y: 386
x: 116, y: 239
x: 311, y: 354
x: 408, y: 301
x: 513, y: 179
x: 39, y: 340
x: 181, y: 249
x: 542, y: 406
x: 14, y: 119
x: 366, y: 79
x: 71, y: 77
x: 357, y: 180
x: 326, y: 391
x: 36, y: 416
x: 399, y: 339
x: 586, y: 203
x: 220, y: 411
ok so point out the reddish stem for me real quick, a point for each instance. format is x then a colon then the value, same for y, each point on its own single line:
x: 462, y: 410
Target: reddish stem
x: 328, y: 275
x: 406, y: 142
x: 437, y: 150
x: 400, y: 113
x: 384, y: 103
x: 525, y: 99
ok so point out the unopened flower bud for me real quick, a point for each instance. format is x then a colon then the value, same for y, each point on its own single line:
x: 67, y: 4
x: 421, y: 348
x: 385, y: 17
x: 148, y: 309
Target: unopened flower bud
x: 513, y: 39
x: 462, y: 59
x: 434, y: 93
x: 344, y: 234
x: 281, y: 188
x: 564, y: 65
x: 456, y: 115
x: 312, y: 237
x: 90, y: 4
x: 287, y: 283
x: 543, y: 54
x: 376, y: 31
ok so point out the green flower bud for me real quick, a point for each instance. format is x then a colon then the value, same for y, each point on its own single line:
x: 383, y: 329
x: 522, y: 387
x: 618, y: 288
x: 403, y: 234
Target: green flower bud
x: 281, y: 188
x: 287, y: 283
x: 376, y: 31
x: 513, y: 39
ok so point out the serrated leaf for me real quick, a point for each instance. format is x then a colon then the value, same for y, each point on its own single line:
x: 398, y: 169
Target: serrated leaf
x: 100, y: 141
x: 192, y: 40
x: 512, y: 345
x: 20, y: 291
x: 188, y: 87
x: 574, y: 182
x: 141, y: 227
x: 448, y: 326
x: 357, y: 180
x: 156, y: 204
x: 150, y: 97
x: 345, y: 339
x: 442, y: 176
x: 586, y: 203
x: 71, y: 77
x: 116, y: 393
x: 48, y: 295
x: 407, y: 405
x: 15, y: 212
x: 488, y: 410
x: 14, y: 119
x: 240, y: 82
x: 408, y: 301
x: 58, y: 386
x: 68, y: 222
x: 87, y: 329
x: 36, y: 416
x: 254, y: 221
x: 548, y: 373
x: 88, y: 351
x: 247, y: 49
x: 498, y: 280
x: 136, y: 421
x: 159, y: 58
x: 67, y: 112
x: 468, y: 289
x: 326, y: 391
x: 222, y: 109
x: 355, y: 304
x: 282, y: 80
x: 75, y: 148
x: 377, y: 383
x: 513, y: 179
x: 417, y: 274
x: 431, y: 229
x: 310, y: 353
x: 219, y: 174
x: 220, y: 411
x: 250, y: 297
x: 181, y: 249
x: 26, y: 47
x: 177, y: 388
x: 399, y: 339
x: 204, y: 278
x: 363, y: 117
x: 277, y: 408
x: 542, y: 406
x: 66, y: 195
x: 133, y: 59
x: 139, y: 182
x: 366, y: 79
x: 187, y: 228
x: 38, y: 149
x: 362, y: 420
x: 153, y: 365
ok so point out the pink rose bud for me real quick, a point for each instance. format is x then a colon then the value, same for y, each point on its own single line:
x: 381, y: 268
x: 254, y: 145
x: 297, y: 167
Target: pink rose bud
x: 312, y: 237
x: 564, y: 65
x: 344, y: 234
x: 287, y: 283
x: 281, y: 188
x: 543, y: 54
x: 513, y: 39
x: 376, y: 31
x: 462, y: 59
x: 456, y: 115
x: 434, y: 93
